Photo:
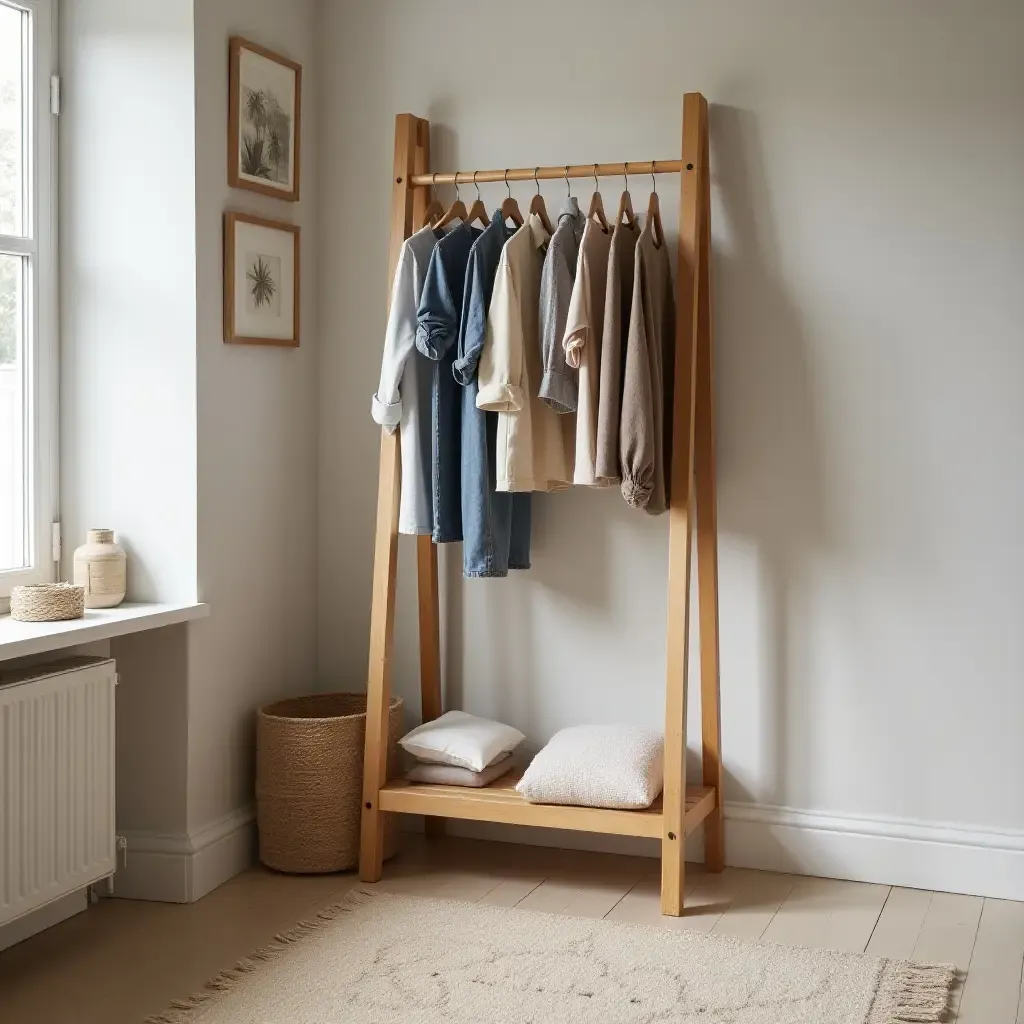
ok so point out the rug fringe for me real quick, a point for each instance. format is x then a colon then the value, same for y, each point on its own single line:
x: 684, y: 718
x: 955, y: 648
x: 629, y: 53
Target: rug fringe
x: 923, y: 994
x: 182, y: 1011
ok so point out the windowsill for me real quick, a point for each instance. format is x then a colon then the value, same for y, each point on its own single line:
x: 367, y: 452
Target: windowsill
x: 18, y: 639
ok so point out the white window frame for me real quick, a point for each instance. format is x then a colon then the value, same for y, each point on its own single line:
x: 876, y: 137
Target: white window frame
x: 41, y: 342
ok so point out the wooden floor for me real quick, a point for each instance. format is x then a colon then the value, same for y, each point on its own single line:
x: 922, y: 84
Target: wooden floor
x: 122, y: 959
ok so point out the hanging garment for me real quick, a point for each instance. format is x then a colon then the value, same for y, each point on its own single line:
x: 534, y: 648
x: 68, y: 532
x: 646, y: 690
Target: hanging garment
x: 583, y: 344
x: 404, y: 394
x: 530, y: 454
x: 618, y: 301
x: 495, y: 527
x: 645, y: 437
x: 436, y: 336
x: 559, y: 383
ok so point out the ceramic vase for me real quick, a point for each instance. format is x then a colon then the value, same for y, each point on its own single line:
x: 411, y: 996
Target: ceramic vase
x: 100, y: 567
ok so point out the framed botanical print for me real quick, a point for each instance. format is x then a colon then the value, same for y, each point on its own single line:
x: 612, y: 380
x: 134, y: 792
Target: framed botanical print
x: 264, y: 120
x: 261, y: 281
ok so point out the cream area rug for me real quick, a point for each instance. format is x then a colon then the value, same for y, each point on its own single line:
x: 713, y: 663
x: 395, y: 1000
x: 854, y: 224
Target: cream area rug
x: 383, y: 959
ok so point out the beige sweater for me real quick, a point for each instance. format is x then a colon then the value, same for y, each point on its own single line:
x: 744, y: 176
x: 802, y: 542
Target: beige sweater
x: 646, y: 424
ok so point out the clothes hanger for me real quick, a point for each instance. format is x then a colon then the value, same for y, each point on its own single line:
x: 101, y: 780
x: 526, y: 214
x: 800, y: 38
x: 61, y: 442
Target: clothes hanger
x: 510, y: 208
x: 625, y: 203
x: 654, y: 213
x: 478, y: 211
x: 538, y: 207
x: 596, y: 210
x: 434, y: 211
x: 457, y: 211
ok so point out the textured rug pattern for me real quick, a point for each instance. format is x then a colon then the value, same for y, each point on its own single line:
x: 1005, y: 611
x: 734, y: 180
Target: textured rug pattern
x: 378, y: 959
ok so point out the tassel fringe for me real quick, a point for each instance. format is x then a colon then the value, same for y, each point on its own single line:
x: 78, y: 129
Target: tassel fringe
x: 913, y: 993
x: 183, y: 1011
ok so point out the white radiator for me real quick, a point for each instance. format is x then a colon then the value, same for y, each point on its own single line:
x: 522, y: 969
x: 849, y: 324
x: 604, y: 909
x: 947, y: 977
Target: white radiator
x: 56, y: 781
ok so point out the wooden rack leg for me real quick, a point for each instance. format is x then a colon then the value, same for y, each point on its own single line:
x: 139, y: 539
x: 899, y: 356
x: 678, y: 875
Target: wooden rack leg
x: 385, y: 549
x: 430, y: 646
x: 673, y: 846
x: 431, y: 705
x: 706, y: 500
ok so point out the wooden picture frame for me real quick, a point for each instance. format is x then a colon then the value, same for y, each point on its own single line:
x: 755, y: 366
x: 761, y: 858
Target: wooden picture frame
x: 264, y: 120
x: 261, y: 288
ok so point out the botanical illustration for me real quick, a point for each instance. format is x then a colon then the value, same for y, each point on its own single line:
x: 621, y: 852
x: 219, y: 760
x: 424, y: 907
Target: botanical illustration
x: 263, y: 284
x: 265, y: 135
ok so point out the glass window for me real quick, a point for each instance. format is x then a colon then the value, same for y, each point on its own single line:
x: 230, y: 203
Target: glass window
x: 27, y: 293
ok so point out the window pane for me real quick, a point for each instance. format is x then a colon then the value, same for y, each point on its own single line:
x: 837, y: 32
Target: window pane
x: 13, y: 26
x: 13, y: 463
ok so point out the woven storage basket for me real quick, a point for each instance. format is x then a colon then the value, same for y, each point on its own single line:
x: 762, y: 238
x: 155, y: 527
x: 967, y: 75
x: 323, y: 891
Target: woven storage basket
x: 47, y: 602
x: 309, y: 781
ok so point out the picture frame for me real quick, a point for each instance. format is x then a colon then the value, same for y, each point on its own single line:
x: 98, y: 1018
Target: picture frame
x: 264, y: 120
x: 261, y: 281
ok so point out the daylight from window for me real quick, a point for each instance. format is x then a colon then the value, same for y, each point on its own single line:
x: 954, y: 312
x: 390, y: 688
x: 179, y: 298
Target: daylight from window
x: 14, y: 521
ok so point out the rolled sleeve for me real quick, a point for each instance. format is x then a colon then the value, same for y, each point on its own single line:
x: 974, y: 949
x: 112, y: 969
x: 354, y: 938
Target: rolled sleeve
x: 387, y: 414
x: 433, y: 337
x: 499, y: 397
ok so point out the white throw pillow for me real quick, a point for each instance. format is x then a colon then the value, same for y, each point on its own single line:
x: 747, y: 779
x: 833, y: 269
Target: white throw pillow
x: 450, y: 775
x: 463, y: 740
x: 597, y: 766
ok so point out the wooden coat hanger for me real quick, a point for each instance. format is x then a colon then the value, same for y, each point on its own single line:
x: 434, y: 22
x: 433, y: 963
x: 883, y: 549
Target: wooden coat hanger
x: 654, y: 212
x: 596, y: 211
x: 510, y: 208
x: 538, y: 206
x: 434, y: 211
x: 457, y: 211
x: 625, y: 203
x: 478, y: 211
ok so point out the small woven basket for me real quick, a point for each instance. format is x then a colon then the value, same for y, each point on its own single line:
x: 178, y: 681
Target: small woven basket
x: 47, y: 602
x: 309, y: 781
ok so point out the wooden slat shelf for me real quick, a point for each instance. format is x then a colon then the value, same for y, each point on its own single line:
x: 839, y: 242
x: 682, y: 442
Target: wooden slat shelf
x: 500, y: 802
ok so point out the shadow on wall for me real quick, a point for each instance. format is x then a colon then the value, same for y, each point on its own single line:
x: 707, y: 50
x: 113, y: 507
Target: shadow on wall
x: 771, y: 477
x: 769, y: 460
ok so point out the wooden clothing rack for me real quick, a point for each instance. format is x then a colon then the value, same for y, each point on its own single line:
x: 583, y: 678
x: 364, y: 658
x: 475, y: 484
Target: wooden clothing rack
x: 681, y: 808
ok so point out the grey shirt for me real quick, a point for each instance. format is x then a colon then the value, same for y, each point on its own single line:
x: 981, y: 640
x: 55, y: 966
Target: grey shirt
x: 559, y: 383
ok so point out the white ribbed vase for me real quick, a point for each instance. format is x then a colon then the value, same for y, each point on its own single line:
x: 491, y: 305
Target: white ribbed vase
x: 100, y: 567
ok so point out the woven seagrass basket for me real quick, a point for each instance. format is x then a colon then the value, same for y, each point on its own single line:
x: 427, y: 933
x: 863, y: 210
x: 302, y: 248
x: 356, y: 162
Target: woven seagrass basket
x: 47, y: 602
x: 309, y: 780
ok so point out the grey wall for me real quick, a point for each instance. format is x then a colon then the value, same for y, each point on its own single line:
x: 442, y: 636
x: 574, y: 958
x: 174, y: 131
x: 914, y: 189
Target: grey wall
x: 257, y: 430
x: 868, y: 239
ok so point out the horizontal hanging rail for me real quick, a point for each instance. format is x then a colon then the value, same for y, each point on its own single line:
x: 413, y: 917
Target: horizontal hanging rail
x: 550, y: 173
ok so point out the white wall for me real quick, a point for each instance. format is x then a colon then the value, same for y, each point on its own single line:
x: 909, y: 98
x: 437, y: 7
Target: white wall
x: 868, y: 239
x: 257, y: 442
x: 128, y: 287
x: 202, y: 456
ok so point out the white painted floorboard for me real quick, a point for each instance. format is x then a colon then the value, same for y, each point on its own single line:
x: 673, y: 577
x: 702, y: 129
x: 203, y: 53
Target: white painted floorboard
x: 65, y: 973
x: 992, y: 989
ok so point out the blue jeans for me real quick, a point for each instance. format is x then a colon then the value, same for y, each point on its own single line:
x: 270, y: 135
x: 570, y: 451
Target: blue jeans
x: 495, y: 527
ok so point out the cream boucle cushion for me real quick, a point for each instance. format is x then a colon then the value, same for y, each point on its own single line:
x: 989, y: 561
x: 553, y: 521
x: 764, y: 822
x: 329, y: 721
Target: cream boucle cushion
x: 462, y: 740
x: 597, y: 766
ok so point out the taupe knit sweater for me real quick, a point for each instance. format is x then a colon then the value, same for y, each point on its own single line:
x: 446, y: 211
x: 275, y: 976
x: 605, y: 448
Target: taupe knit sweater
x: 646, y: 422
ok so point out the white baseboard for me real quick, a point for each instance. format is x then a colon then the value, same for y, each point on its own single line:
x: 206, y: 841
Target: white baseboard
x: 43, y: 918
x: 184, y: 868
x: 915, y: 854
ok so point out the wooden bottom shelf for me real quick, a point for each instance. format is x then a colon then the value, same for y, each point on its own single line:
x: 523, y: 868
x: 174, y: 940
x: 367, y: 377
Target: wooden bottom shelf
x: 500, y: 802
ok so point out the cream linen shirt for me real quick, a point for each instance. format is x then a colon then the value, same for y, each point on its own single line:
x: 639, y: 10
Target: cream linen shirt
x: 530, y: 453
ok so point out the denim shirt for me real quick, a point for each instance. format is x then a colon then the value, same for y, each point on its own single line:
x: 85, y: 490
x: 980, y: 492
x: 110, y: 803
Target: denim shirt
x: 496, y: 527
x: 436, y: 335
